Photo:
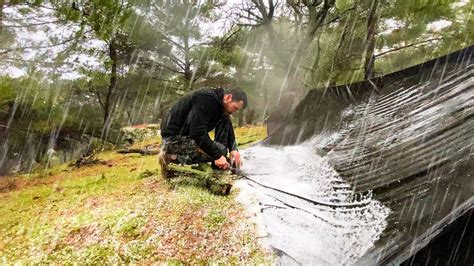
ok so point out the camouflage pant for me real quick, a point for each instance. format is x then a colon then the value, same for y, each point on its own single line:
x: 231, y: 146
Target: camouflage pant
x: 187, y: 151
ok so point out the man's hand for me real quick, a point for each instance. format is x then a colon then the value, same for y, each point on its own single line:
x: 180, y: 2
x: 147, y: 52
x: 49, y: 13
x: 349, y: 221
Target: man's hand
x: 221, y: 163
x: 235, y: 157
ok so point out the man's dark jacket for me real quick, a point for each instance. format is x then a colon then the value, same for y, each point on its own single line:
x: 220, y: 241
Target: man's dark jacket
x: 195, y: 115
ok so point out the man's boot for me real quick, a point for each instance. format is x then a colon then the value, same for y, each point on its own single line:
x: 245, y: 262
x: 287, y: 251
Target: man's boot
x: 163, y: 160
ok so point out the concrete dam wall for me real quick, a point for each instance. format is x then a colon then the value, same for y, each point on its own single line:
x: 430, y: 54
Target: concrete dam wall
x: 407, y: 138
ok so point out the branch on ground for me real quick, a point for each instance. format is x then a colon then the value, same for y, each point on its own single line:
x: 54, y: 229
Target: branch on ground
x: 91, y: 160
x: 148, y: 150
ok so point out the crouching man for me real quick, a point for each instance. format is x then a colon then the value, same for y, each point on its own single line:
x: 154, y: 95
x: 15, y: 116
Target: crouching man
x: 185, y: 130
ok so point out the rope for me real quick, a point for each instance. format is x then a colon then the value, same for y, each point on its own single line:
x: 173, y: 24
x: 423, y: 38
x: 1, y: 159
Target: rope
x: 319, y: 203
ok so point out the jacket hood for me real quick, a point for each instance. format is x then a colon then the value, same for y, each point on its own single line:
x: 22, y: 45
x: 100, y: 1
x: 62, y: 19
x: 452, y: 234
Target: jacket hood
x: 216, y: 93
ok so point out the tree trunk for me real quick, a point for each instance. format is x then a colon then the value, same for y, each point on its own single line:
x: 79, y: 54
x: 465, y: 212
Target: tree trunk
x: 109, y: 104
x: 266, y: 104
x: 316, y: 21
x: 370, y: 41
x: 188, y: 74
x: 2, y: 3
x: 187, y: 63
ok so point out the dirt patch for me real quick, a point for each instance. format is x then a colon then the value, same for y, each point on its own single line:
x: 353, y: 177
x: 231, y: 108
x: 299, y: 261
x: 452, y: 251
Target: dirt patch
x: 13, y: 184
x: 94, y: 202
x: 154, y: 185
x: 82, y: 237
x: 68, y: 212
x: 189, y: 240
x: 7, y: 184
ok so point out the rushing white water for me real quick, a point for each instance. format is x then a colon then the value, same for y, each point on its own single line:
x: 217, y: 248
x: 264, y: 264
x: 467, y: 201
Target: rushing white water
x: 304, y: 232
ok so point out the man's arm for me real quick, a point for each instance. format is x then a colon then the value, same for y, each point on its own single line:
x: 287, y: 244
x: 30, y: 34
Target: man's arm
x: 199, y: 118
x: 231, y: 143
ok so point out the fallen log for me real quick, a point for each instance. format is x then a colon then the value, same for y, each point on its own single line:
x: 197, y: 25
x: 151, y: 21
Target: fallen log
x: 90, y: 160
x: 140, y: 151
x: 148, y: 150
x: 217, y: 182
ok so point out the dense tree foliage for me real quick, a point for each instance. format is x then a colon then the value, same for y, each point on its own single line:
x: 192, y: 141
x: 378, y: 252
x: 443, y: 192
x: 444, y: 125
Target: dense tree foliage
x: 83, y: 68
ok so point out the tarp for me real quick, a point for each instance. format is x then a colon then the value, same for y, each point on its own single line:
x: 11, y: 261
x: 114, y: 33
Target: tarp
x: 407, y: 138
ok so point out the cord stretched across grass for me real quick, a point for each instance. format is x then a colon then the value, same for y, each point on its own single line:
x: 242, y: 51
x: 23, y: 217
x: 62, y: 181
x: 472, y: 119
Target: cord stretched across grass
x: 319, y: 203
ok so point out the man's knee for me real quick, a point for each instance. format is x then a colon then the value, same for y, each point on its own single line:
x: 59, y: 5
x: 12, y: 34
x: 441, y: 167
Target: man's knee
x: 187, y: 150
x: 183, y: 147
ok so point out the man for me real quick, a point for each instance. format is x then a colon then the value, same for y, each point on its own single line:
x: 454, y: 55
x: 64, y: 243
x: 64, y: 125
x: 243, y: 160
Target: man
x: 185, y: 129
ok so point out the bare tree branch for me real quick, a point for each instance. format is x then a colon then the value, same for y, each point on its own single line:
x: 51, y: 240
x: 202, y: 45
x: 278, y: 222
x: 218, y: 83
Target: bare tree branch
x: 336, y: 18
x: 158, y: 9
x: 99, y: 99
x: 180, y: 63
x: 200, y: 44
x: 33, y: 24
x: 251, y: 14
x: 162, y: 65
x: 40, y: 46
x: 42, y: 6
x: 407, y: 46
x: 181, y: 47
x: 167, y: 80
x: 9, y: 128
x: 249, y: 25
x: 221, y: 47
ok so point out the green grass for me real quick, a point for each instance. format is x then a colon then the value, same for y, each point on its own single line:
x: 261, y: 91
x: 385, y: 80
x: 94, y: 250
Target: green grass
x: 123, y: 212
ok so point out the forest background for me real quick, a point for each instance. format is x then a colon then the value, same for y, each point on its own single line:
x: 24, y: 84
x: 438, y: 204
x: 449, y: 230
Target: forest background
x: 74, y: 72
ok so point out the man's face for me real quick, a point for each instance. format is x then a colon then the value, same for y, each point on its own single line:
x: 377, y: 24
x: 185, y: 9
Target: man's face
x: 230, y: 106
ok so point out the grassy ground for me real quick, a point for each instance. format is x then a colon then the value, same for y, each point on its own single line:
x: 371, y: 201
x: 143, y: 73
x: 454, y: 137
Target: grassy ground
x: 121, y: 212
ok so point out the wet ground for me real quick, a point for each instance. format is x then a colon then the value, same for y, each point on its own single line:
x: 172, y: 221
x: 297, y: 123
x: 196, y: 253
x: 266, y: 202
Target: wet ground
x: 308, y: 212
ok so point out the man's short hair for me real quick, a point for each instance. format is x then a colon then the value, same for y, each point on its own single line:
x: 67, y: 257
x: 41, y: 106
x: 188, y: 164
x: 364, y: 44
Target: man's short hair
x: 237, y: 95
